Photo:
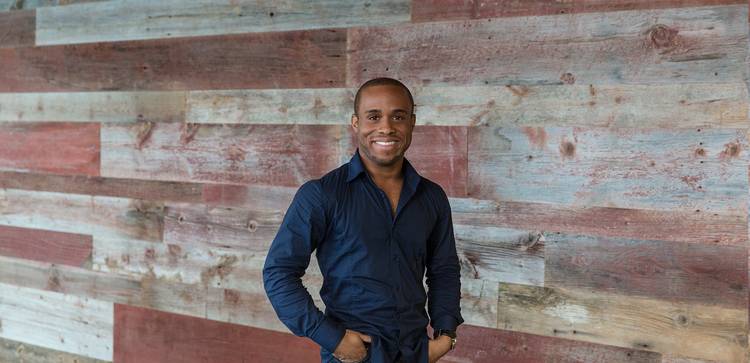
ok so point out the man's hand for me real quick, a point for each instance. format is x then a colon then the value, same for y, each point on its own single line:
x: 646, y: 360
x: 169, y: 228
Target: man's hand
x: 352, y: 347
x: 438, y: 347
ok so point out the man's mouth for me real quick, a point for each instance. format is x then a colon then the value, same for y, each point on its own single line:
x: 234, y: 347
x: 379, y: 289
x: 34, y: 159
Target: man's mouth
x: 386, y: 143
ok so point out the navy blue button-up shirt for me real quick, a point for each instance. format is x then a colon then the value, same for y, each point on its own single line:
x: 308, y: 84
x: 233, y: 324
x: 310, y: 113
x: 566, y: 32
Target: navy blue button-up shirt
x: 373, y: 263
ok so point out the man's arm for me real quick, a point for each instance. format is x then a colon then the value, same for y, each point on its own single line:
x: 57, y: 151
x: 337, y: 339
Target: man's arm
x: 443, y: 273
x: 303, y: 227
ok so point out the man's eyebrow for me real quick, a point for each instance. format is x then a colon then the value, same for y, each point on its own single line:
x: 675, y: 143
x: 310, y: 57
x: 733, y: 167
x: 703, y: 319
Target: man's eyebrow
x: 371, y: 111
x: 400, y: 111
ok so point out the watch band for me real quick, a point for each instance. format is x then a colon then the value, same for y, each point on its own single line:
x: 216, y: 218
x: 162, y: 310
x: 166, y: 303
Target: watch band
x: 449, y: 333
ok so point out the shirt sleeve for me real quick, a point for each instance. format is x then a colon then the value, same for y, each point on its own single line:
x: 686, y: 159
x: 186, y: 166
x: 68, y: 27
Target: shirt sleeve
x: 301, y: 230
x: 443, y: 273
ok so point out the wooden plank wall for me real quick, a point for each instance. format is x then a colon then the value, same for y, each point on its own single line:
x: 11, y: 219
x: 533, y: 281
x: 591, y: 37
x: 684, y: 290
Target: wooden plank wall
x: 595, y: 152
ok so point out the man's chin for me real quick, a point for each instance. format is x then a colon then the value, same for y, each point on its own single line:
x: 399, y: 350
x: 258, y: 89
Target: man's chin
x: 385, y: 160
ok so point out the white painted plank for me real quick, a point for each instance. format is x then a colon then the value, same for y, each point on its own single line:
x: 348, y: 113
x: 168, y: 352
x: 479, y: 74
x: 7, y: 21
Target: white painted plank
x: 146, y: 19
x: 72, y: 324
x: 92, y: 106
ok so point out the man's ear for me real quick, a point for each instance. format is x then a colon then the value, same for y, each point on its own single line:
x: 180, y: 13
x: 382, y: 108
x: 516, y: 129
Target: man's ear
x: 355, y: 121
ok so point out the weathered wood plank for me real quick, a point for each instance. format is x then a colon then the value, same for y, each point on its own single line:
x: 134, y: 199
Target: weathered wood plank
x: 670, y: 225
x: 671, y: 271
x: 144, y: 19
x: 271, y: 106
x: 702, y: 44
x: 102, y: 217
x: 47, y: 246
x: 661, y: 169
x: 57, y: 321
x: 146, y: 291
x: 62, y: 148
x: 13, y: 351
x: 153, y: 190
x: 669, y: 105
x: 484, y: 345
x: 298, y: 59
x: 686, y: 329
x: 500, y: 254
x: 93, y: 106
x: 143, y: 335
x: 17, y: 29
x: 33, y: 4
x: 247, y: 230
x: 259, y: 154
x: 435, y: 10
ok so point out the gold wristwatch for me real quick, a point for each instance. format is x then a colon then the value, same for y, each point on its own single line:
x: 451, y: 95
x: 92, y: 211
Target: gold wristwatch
x: 449, y: 333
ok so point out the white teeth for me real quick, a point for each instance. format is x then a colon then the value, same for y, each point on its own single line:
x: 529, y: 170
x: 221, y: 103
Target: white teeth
x: 385, y: 143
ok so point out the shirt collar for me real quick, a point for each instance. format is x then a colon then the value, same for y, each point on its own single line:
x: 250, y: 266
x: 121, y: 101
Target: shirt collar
x: 411, y: 177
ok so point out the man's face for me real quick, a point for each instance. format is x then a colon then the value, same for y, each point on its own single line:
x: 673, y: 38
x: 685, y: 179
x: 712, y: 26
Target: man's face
x: 384, y: 124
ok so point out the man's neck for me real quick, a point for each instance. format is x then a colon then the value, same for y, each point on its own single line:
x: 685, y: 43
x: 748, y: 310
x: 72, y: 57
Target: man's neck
x: 384, y: 174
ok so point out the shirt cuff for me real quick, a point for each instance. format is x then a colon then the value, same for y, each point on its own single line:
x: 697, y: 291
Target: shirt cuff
x: 328, y: 335
x: 445, y: 322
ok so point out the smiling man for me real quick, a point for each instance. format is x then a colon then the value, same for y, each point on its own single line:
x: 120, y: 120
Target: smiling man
x: 376, y: 227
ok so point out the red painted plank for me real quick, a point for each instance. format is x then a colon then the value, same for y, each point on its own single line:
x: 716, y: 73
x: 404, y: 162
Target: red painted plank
x: 62, y: 148
x: 283, y: 155
x: 45, y: 246
x: 17, y: 28
x: 440, y: 154
x: 435, y: 10
x: 93, y: 185
x: 145, y: 335
x: 672, y: 271
x: 295, y: 59
x: 679, y: 226
x: 480, y: 345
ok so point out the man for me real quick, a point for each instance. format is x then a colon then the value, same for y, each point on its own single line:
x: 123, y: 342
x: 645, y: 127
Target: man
x: 376, y: 227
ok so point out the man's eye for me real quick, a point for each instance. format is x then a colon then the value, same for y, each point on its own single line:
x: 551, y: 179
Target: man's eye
x: 373, y: 117
x: 398, y: 118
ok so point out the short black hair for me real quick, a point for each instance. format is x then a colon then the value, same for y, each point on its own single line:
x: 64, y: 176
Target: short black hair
x: 382, y: 81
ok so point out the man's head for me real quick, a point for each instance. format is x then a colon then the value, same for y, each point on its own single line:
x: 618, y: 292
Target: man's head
x: 383, y: 120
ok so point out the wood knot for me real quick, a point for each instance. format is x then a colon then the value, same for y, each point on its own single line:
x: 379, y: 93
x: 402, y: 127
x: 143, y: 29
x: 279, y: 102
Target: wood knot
x: 731, y: 150
x: 663, y: 36
x: 567, y: 149
x: 143, y: 133
x: 252, y: 225
x: 568, y: 78
x: 187, y: 132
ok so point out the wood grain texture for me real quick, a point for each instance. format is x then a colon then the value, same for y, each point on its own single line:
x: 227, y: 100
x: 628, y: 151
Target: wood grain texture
x: 61, y: 148
x: 702, y: 44
x: 57, y: 321
x: 143, y: 19
x: 296, y: 59
x: 671, y: 271
x: 248, y: 230
x: 257, y: 154
x: 17, y: 28
x: 500, y: 254
x: 271, y: 106
x: 660, y: 169
x: 108, y: 218
x: 143, y: 335
x: 48, y: 246
x: 15, y: 5
x: 435, y: 10
x: 144, y: 291
x: 686, y: 329
x: 113, y: 187
x: 439, y: 153
x: 93, y: 107
x: 682, y: 105
x: 13, y: 351
x: 483, y: 345
x: 668, y: 105
x: 672, y: 225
